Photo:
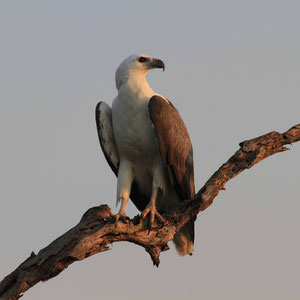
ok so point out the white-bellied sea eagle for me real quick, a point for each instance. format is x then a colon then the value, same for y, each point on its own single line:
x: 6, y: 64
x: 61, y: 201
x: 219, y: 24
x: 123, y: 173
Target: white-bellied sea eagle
x: 147, y: 145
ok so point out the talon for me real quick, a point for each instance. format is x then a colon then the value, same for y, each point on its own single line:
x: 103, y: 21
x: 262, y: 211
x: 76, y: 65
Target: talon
x: 160, y: 218
x: 145, y: 212
x: 121, y: 217
x: 117, y: 220
x: 153, y: 213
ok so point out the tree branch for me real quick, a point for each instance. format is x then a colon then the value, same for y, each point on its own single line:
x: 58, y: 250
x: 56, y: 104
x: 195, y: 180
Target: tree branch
x: 96, y: 230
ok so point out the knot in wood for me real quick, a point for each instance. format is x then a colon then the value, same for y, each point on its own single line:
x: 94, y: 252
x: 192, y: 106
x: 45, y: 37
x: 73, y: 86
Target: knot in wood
x: 98, y: 212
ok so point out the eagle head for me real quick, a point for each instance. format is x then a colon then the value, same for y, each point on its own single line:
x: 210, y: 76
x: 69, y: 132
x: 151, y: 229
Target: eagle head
x: 137, y: 65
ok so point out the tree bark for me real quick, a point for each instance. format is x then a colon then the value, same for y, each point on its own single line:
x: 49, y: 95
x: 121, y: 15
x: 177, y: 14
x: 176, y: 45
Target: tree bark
x: 97, y: 230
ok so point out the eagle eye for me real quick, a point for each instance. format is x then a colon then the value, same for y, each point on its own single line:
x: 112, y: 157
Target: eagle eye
x: 142, y: 59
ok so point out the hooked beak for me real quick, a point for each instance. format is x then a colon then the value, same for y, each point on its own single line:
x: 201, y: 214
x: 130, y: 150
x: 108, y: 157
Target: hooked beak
x: 157, y: 63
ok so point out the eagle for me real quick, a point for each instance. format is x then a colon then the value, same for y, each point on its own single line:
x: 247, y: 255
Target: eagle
x: 147, y: 146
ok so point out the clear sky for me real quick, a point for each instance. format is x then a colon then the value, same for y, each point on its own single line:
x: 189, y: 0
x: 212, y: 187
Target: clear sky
x: 232, y: 70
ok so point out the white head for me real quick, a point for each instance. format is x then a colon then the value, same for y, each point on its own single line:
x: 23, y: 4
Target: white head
x: 136, y: 65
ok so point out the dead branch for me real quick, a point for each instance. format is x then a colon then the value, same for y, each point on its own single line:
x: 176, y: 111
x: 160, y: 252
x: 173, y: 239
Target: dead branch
x: 96, y: 230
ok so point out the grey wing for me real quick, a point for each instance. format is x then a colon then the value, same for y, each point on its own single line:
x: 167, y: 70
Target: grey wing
x: 110, y: 150
x: 174, y: 144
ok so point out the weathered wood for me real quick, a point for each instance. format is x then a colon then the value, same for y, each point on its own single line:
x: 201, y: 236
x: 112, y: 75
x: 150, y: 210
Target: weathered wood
x: 97, y: 230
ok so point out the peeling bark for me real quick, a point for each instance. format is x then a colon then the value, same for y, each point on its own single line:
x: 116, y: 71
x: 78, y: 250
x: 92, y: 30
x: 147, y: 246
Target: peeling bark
x: 97, y: 230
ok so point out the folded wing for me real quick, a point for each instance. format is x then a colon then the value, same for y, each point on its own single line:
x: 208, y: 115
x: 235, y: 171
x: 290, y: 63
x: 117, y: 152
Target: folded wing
x: 174, y: 144
x: 110, y: 151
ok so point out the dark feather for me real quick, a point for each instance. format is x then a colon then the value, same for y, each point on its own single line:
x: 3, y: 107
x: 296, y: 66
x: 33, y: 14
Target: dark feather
x: 174, y: 144
x: 175, y: 147
x: 106, y: 136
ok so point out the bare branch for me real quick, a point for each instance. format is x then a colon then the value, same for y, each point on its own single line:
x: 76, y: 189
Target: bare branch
x: 96, y: 230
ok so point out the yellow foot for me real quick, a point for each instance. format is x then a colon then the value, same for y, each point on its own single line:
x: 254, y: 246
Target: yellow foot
x: 150, y: 208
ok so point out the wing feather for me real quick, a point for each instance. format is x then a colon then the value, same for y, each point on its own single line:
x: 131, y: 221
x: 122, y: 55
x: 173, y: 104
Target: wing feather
x: 106, y: 136
x: 174, y: 144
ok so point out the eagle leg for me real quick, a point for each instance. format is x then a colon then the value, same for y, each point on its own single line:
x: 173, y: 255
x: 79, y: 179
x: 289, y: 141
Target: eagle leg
x: 121, y: 214
x: 151, y: 208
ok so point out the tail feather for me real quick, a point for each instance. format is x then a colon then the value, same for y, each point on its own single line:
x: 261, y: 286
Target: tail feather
x: 184, y: 239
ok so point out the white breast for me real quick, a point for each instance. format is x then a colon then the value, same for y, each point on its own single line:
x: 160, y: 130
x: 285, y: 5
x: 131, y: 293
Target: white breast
x: 135, y: 136
x: 133, y: 129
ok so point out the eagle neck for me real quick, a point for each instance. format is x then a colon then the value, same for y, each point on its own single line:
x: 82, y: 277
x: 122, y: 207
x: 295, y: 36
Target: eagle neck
x: 136, y: 86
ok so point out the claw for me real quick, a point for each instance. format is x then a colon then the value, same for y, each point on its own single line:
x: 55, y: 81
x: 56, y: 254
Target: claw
x: 153, y: 213
x: 121, y: 217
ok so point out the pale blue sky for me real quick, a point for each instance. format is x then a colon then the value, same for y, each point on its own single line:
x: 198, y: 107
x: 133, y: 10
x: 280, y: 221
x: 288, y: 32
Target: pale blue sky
x: 232, y: 69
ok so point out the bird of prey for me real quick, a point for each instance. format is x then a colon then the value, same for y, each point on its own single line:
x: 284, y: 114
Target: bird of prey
x: 147, y: 145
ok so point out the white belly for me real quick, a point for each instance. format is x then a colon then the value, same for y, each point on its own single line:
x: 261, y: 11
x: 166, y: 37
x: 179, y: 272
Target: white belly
x: 136, y: 142
x: 138, y: 148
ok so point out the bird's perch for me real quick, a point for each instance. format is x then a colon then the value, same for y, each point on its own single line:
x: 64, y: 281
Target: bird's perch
x: 96, y: 230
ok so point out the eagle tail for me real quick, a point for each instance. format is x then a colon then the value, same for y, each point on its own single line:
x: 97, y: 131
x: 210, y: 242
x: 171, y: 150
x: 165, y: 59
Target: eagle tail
x: 184, y: 239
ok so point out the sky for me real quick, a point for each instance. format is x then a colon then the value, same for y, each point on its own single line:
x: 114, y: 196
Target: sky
x: 232, y: 70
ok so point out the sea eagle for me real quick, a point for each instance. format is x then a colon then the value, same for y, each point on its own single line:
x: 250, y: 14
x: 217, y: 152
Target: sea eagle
x: 147, y: 145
